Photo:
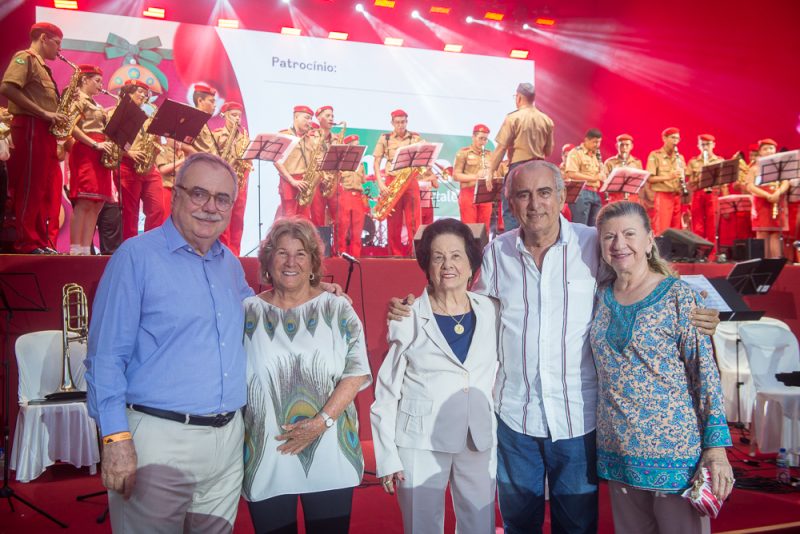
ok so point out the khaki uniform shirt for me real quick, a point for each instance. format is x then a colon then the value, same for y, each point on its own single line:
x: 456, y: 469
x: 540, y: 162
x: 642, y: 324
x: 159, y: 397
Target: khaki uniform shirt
x: 205, y: 142
x: 527, y: 133
x: 659, y: 163
x: 297, y: 161
x: 165, y: 157
x: 240, y: 143
x: 580, y: 160
x: 93, y: 117
x: 389, y: 143
x: 615, y: 161
x: 29, y: 72
x: 468, y: 161
x: 353, y: 180
x: 695, y: 167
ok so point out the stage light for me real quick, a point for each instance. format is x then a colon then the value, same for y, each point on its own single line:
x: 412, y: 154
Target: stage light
x: 498, y: 26
x: 360, y: 8
x: 526, y: 26
x: 65, y: 4
x: 415, y: 14
x: 290, y: 31
x: 393, y: 41
x: 490, y: 15
x: 519, y: 54
x: 470, y: 20
x: 545, y: 21
x: 286, y: 1
x: 384, y: 3
x: 453, y: 48
x: 228, y: 23
x: 440, y: 9
x: 339, y: 36
x: 155, y: 12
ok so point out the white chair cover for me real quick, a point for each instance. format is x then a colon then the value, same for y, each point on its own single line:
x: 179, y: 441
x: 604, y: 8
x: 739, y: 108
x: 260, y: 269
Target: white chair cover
x: 725, y: 344
x: 49, y: 432
x: 772, y: 349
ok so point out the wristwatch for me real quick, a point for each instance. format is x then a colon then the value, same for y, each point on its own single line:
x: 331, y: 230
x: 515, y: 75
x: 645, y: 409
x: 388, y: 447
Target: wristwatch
x: 326, y: 418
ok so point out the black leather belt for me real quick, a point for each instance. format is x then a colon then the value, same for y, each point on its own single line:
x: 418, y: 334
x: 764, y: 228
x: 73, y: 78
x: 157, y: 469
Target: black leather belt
x: 218, y: 420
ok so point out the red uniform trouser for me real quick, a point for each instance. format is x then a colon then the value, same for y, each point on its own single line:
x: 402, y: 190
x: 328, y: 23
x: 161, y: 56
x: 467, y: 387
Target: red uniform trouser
x: 666, y: 211
x: 135, y: 188
x: 166, y: 194
x: 232, y: 236
x: 34, y: 183
x: 317, y: 209
x: 471, y: 212
x: 704, y: 214
x: 406, y: 212
x: 616, y: 197
x: 350, y: 221
x: 289, y: 205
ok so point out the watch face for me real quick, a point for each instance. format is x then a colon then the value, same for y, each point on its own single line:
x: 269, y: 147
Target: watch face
x: 329, y: 422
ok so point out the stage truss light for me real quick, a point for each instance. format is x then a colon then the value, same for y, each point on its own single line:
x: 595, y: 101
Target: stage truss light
x: 490, y: 15
x: 393, y: 41
x: 339, y: 36
x: 155, y: 12
x: 360, y: 8
x: 415, y: 14
x: 526, y: 26
x: 440, y: 9
x: 228, y: 23
x: 286, y: 1
x: 290, y: 31
x: 545, y: 21
x: 519, y: 54
x: 65, y: 4
x: 384, y: 3
x: 470, y: 20
x: 453, y: 48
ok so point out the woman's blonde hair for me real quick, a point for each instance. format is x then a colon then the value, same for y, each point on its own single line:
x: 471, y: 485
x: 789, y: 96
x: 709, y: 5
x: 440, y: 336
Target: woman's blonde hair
x: 297, y: 228
x: 655, y: 262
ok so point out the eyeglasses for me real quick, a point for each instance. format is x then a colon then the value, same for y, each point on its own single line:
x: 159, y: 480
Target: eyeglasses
x: 200, y: 197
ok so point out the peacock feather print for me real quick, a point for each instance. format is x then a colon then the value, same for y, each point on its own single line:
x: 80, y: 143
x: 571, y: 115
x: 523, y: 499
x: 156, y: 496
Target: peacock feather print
x: 328, y: 311
x: 311, y: 318
x: 349, y: 325
x: 255, y: 436
x: 291, y: 322
x: 347, y: 434
x: 299, y: 393
x: 271, y: 321
x: 251, y: 316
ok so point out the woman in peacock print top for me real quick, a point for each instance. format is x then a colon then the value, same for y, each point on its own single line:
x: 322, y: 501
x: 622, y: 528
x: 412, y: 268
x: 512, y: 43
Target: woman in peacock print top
x: 306, y: 361
x: 660, y: 416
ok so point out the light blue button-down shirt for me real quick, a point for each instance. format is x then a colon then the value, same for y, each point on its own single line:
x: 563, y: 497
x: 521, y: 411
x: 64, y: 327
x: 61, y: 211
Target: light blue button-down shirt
x: 166, y: 330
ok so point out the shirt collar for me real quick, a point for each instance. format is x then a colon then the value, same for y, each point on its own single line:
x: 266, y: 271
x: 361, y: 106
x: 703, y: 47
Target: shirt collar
x: 35, y: 54
x: 176, y: 241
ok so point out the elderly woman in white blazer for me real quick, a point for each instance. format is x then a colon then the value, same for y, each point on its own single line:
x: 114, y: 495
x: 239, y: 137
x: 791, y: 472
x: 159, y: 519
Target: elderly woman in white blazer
x: 433, y: 420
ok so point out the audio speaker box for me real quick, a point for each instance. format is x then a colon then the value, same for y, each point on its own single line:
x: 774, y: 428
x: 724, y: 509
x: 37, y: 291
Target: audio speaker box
x: 685, y: 245
x: 748, y: 249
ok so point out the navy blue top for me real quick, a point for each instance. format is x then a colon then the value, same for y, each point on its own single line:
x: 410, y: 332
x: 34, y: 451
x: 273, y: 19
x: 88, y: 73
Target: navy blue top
x: 459, y: 343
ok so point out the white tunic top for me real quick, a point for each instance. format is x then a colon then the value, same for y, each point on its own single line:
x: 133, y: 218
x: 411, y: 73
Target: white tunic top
x: 295, y: 359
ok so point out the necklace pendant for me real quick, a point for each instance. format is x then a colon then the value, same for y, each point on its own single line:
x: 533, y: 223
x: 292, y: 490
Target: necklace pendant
x: 458, y: 329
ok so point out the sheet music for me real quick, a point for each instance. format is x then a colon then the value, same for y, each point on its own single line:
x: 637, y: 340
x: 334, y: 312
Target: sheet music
x: 700, y: 283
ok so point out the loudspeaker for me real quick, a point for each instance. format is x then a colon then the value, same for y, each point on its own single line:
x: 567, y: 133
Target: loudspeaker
x: 748, y: 249
x: 325, y: 234
x: 478, y: 233
x: 686, y: 246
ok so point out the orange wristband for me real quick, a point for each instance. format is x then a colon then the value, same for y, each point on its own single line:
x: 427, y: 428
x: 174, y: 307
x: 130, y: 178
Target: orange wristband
x: 119, y: 436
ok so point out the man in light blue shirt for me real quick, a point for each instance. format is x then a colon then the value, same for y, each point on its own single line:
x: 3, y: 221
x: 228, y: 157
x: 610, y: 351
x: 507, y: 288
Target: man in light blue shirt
x: 166, y: 365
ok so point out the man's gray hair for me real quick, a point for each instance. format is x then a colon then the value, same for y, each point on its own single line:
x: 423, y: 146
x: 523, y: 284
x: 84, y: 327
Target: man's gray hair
x: 208, y: 159
x: 532, y: 166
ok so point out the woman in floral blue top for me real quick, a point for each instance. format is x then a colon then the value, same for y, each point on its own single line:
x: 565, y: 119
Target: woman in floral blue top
x: 660, y: 410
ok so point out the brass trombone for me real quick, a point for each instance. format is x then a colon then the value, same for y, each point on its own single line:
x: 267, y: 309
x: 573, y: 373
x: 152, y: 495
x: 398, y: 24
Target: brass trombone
x: 75, y: 322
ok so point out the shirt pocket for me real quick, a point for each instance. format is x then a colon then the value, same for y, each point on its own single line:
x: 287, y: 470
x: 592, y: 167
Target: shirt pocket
x: 413, y: 414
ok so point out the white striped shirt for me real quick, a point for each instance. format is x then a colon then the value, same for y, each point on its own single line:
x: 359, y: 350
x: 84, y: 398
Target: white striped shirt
x: 546, y: 384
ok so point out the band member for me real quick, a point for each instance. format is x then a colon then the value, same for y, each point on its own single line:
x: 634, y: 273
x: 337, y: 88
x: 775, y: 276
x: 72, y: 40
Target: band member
x: 292, y: 169
x: 33, y: 170
x: 667, y: 168
x: 792, y: 235
x: 319, y: 203
x: 204, y: 98
x: 168, y: 161
x: 232, y: 112
x: 472, y: 164
x: 407, y: 210
x: 90, y: 181
x: 585, y: 164
x: 704, y: 200
x: 427, y: 183
x: 564, y: 151
x: 140, y: 182
x: 770, y: 211
x: 353, y: 207
x: 525, y: 134
x: 623, y: 158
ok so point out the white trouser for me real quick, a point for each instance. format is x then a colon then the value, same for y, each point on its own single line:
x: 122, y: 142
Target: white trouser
x: 471, y: 475
x: 653, y: 512
x: 188, y: 477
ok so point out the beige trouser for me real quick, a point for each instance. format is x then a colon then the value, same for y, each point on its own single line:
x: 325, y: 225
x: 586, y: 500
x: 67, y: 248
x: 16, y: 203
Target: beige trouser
x: 471, y: 475
x: 188, y: 478
x: 639, y: 511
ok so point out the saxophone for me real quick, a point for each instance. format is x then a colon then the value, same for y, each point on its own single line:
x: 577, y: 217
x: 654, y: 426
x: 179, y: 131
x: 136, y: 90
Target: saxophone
x: 386, y: 202
x: 242, y: 166
x: 111, y: 161
x: 66, y: 104
x: 5, y: 125
x: 330, y: 180
x: 151, y: 147
x: 312, y: 176
x: 227, y: 152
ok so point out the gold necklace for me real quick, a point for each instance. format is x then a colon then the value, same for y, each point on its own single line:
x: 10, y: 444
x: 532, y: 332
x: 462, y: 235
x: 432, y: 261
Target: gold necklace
x: 458, y: 328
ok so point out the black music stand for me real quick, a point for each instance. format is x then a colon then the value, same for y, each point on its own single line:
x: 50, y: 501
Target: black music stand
x: 416, y: 155
x: 625, y: 180
x: 731, y: 205
x: 718, y: 174
x: 483, y: 195
x: 755, y: 277
x: 178, y: 121
x: 781, y: 166
x: 125, y: 123
x: 339, y: 158
x: 19, y: 292
x: 574, y: 188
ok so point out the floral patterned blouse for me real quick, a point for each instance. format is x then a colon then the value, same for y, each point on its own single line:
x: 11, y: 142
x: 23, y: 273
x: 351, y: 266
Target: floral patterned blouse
x: 660, y: 400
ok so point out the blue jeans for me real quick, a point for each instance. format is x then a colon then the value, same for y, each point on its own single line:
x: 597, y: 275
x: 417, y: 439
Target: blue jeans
x: 571, y: 469
x: 585, y: 208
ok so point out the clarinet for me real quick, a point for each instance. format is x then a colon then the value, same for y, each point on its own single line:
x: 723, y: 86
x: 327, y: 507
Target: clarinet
x: 600, y: 170
x: 684, y: 190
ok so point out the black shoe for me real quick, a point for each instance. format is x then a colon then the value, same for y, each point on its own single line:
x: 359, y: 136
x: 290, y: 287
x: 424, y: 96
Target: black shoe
x: 51, y: 251
x: 40, y: 250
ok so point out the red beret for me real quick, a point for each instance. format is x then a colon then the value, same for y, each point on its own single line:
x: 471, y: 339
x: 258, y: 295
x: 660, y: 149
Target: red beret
x: 47, y: 27
x: 624, y: 137
x: 203, y: 88
x: 303, y: 109
x: 349, y: 139
x: 231, y: 106
x: 753, y: 147
x: 399, y: 113
x: 567, y: 147
x: 314, y: 125
x: 767, y: 141
x: 670, y: 131
x: 137, y: 83
x: 90, y: 69
x: 706, y: 137
x: 480, y: 128
x: 322, y: 109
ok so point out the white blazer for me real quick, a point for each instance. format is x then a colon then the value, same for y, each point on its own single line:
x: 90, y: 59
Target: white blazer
x: 425, y: 398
